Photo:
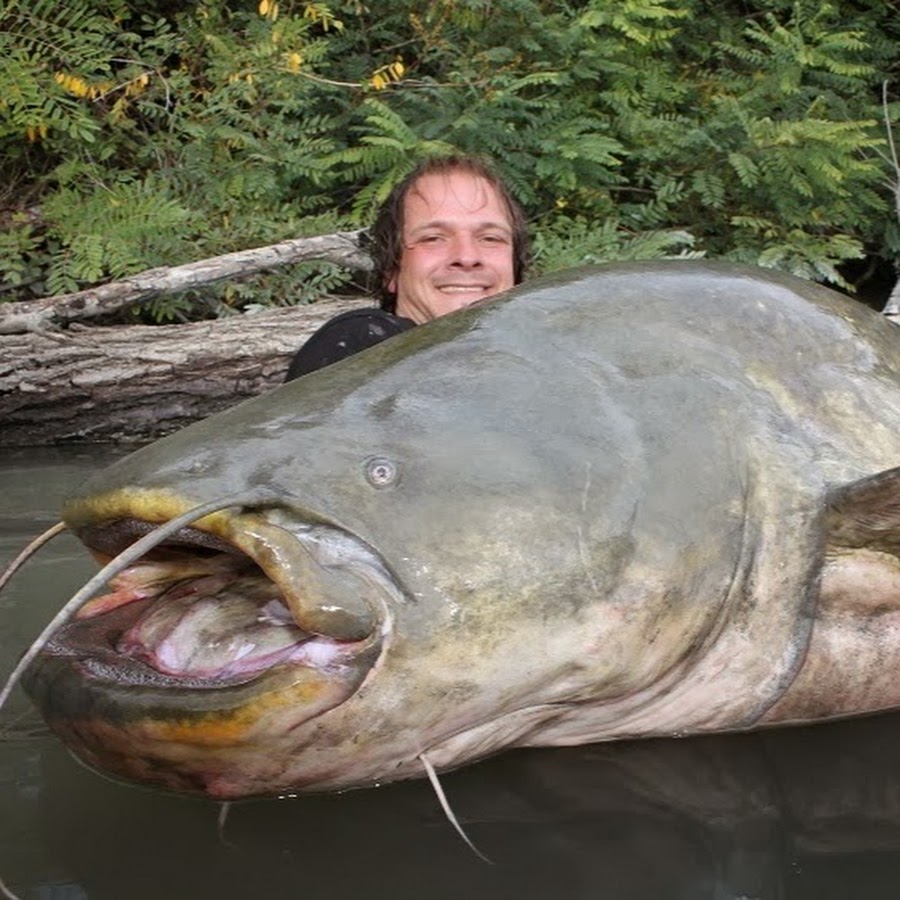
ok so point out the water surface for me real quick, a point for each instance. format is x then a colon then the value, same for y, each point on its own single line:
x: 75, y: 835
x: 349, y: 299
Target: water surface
x: 811, y: 813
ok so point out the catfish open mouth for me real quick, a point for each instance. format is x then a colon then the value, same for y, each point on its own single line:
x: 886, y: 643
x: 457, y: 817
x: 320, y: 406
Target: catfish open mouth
x: 182, y: 620
x: 249, y: 601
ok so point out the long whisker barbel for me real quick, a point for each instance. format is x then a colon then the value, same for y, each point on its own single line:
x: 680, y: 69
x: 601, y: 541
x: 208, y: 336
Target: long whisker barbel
x: 6, y: 892
x: 29, y: 551
x: 120, y: 562
x: 445, y: 806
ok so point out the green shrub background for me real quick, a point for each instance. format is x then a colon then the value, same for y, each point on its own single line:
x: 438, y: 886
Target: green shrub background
x: 156, y: 133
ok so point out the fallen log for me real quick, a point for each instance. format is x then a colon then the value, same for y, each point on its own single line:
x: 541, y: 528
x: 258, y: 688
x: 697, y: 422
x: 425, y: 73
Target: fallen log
x: 134, y: 383
x: 62, y: 381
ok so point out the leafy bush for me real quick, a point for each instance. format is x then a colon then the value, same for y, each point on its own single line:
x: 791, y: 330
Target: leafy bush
x: 138, y: 135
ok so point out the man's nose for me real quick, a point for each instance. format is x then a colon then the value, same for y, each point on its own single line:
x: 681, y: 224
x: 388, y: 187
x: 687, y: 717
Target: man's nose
x: 465, y: 251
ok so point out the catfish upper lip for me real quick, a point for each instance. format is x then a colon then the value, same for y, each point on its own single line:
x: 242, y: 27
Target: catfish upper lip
x: 111, y: 538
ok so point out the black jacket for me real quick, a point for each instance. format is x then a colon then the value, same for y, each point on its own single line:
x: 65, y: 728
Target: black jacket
x: 343, y: 336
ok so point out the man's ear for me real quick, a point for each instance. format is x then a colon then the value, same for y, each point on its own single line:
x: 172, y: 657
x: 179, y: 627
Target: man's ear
x: 391, y: 284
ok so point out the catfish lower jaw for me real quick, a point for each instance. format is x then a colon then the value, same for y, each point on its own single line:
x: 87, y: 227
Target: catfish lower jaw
x: 188, y: 731
x: 187, y: 654
x: 218, y: 743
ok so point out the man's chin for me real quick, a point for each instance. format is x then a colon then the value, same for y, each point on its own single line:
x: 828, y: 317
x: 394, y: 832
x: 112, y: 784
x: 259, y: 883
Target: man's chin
x: 451, y: 302
x: 439, y: 303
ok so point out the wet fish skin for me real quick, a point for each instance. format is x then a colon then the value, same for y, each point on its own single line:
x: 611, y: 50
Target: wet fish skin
x: 615, y: 502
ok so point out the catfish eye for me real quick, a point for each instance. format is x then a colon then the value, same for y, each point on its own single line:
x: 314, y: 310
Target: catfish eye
x: 381, y: 472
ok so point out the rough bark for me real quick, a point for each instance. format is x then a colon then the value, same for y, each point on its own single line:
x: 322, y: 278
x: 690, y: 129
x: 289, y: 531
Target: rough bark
x: 134, y: 383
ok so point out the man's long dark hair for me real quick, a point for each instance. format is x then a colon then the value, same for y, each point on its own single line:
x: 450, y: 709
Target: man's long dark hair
x: 385, y: 237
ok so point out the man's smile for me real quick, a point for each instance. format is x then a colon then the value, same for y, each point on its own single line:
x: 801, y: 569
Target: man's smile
x: 463, y: 288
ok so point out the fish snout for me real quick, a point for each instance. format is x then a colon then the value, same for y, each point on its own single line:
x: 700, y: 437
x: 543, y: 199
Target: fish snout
x: 333, y: 584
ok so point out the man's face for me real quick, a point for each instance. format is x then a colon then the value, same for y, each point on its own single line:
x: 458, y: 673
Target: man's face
x: 457, y: 246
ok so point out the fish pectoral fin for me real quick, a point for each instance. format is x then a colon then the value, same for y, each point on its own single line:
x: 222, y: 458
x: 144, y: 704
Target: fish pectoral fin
x: 861, y: 571
x: 852, y: 660
x: 866, y: 514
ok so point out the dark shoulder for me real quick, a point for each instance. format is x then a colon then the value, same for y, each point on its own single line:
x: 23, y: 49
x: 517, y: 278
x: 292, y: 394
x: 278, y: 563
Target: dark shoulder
x: 344, y: 335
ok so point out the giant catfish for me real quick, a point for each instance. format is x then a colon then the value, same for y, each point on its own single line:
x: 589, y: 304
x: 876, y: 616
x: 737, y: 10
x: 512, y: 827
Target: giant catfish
x: 646, y: 499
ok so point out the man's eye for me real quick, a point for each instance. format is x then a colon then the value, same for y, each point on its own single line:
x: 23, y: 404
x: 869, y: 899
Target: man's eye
x: 494, y: 239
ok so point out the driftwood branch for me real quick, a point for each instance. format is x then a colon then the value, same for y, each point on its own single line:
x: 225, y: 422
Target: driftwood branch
x: 53, y: 312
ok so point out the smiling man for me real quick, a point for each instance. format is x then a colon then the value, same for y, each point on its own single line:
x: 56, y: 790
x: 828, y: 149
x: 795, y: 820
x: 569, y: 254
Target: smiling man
x: 457, y: 246
x: 448, y: 235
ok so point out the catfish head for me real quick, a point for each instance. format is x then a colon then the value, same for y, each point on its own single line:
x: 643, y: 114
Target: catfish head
x: 417, y: 576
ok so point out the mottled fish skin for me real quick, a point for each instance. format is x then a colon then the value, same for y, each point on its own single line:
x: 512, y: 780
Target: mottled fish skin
x: 615, y: 502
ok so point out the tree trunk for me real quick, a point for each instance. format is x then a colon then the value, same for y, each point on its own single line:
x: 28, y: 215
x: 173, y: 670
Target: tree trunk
x: 135, y: 383
x: 63, y: 382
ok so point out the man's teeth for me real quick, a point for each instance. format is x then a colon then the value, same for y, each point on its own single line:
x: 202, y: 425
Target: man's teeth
x: 462, y: 288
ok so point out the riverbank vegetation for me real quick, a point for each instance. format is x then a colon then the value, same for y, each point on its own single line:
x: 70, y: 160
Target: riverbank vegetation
x: 136, y: 135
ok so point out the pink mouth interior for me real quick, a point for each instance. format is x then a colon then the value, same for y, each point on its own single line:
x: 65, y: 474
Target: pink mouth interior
x: 206, y: 617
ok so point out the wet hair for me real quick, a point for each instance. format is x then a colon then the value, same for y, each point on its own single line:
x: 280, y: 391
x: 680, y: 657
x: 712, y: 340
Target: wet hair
x: 385, y: 237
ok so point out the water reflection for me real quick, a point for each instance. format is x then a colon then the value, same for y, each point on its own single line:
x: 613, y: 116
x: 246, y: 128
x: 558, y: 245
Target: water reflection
x: 799, y: 813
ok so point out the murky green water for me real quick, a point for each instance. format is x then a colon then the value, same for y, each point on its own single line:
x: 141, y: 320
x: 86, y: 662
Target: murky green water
x: 802, y: 813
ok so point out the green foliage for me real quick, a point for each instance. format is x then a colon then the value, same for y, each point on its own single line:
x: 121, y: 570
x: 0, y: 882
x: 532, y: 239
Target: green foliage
x: 682, y: 116
x: 137, y: 135
x: 578, y: 241
x: 107, y: 232
x: 155, y: 140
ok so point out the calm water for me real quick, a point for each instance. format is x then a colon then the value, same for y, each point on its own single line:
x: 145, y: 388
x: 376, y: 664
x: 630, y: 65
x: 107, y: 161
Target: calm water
x: 801, y: 813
